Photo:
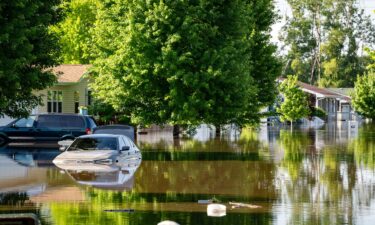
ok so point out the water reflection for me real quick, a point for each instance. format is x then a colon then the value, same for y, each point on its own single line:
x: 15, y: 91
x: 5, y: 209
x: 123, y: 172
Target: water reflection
x: 15, y: 177
x: 326, y: 182
x: 308, y: 176
x: 119, y: 176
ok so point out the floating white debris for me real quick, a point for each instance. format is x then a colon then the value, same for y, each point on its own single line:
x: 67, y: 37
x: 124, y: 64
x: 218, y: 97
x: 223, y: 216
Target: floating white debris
x: 168, y: 222
x: 216, y: 210
x: 243, y: 205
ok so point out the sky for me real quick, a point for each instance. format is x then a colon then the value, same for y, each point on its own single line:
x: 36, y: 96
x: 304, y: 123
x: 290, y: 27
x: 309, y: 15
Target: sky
x: 284, y: 9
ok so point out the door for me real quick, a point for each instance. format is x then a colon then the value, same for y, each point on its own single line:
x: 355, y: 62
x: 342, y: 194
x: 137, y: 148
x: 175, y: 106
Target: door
x: 48, y: 128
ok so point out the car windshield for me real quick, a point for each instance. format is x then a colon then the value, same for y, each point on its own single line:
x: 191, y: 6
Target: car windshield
x: 94, y: 143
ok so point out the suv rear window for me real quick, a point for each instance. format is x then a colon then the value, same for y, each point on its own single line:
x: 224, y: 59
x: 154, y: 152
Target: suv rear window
x: 92, y: 122
x: 66, y: 121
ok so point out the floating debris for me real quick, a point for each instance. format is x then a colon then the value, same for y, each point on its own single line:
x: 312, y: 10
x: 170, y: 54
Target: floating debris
x: 216, y: 210
x: 168, y: 222
x: 208, y: 201
x: 119, y: 210
x: 243, y: 205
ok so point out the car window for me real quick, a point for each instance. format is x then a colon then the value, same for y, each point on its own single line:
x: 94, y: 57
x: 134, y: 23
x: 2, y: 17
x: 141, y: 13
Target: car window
x: 48, y: 121
x: 128, y: 142
x: 122, y: 142
x: 61, y: 121
x: 92, y: 122
x: 94, y: 143
x: 25, y: 122
x: 72, y: 122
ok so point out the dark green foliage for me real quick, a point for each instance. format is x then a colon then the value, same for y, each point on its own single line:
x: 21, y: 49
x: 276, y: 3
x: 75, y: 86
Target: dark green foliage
x: 27, y: 49
x: 105, y: 114
x: 363, y: 97
x: 265, y: 67
x: 185, y: 62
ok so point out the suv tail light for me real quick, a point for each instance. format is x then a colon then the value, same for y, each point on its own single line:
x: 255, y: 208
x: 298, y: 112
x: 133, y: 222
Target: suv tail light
x: 88, y: 131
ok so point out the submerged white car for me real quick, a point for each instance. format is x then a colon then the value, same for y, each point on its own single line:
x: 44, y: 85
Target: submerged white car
x: 99, y: 149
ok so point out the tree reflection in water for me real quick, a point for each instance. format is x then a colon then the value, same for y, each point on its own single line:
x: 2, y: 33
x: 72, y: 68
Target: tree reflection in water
x: 328, y: 185
x: 306, y: 176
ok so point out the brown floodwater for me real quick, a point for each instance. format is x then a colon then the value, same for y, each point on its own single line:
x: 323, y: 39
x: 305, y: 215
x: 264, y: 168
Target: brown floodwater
x: 316, y: 175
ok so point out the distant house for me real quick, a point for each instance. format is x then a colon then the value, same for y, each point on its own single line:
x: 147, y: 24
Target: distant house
x: 336, y: 102
x: 345, y: 110
x: 69, y: 93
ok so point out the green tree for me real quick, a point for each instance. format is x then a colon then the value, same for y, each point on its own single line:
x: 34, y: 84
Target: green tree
x: 27, y: 50
x: 363, y: 97
x: 74, y: 31
x: 184, y: 62
x: 371, y: 66
x: 106, y: 114
x: 265, y: 67
x: 323, y: 39
x: 295, y: 104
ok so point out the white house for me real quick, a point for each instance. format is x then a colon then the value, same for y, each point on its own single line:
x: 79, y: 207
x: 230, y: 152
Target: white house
x: 67, y: 95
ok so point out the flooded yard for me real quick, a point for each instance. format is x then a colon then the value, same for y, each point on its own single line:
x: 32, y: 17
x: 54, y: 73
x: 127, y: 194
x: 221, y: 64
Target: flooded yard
x: 306, y: 176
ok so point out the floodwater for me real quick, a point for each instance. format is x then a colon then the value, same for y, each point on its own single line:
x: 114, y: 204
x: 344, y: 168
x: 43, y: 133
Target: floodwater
x: 320, y: 175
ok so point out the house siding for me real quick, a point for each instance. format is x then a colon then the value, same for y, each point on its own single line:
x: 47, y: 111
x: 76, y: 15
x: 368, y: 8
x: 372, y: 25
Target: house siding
x: 67, y: 96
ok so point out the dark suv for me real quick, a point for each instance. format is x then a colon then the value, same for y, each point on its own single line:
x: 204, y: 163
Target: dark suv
x: 46, y: 128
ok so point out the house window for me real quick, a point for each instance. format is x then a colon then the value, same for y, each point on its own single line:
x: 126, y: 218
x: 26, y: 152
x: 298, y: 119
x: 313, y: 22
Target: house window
x: 89, y: 98
x: 76, y: 101
x: 54, y: 101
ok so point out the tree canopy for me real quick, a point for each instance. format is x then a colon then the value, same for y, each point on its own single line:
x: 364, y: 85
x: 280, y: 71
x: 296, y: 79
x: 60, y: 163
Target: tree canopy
x: 371, y: 66
x: 185, y: 62
x: 295, y: 104
x: 363, y: 97
x: 27, y: 50
x: 324, y: 39
x: 74, y: 31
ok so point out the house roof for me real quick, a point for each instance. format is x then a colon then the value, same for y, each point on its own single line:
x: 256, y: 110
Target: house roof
x: 342, y: 91
x: 68, y: 73
x: 320, y: 92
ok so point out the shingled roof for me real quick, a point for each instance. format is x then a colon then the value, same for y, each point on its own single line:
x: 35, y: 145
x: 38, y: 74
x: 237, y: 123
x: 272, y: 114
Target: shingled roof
x: 70, y: 73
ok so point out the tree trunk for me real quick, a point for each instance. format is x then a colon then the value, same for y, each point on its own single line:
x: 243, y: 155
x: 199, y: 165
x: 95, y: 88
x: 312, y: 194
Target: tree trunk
x: 135, y: 133
x: 176, y: 131
x: 217, y: 131
x: 176, y: 143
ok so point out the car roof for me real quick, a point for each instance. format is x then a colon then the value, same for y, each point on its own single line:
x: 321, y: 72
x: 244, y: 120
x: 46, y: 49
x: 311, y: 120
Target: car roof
x: 60, y: 114
x: 101, y: 135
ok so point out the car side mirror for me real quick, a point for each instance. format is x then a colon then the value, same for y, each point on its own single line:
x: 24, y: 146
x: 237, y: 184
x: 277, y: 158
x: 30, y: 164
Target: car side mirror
x: 64, y: 144
x: 125, y: 148
x: 14, y: 125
